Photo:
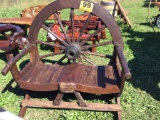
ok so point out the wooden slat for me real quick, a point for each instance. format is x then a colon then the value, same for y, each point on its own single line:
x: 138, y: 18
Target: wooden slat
x: 68, y: 74
x: 29, y: 73
x: 55, y: 74
x: 91, y: 76
x: 90, y: 79
x: 19, y: 21
x: 71, y: 105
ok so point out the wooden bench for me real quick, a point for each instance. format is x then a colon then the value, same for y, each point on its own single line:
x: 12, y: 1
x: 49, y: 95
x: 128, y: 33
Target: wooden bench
x: 74, y: 71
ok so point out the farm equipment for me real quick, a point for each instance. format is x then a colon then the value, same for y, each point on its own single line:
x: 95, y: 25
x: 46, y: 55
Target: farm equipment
x: 74, y: 68
x: 15, y: 40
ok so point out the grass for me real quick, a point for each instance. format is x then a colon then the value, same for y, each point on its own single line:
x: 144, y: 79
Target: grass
x: 141, y: 96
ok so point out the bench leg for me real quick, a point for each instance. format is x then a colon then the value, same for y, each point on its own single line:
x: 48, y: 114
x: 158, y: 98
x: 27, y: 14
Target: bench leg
x: 118, y: 112
x: 58, y: 99
x: 80, y: 99
x: 23, y: 108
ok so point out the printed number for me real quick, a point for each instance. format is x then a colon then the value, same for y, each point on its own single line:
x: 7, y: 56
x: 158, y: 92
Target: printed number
x: 86, y: 6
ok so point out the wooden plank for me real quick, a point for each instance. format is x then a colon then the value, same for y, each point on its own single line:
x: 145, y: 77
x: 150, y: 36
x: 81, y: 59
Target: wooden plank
x: 71, y: 105
x: 40, y: 73
x: 123, y: 13
x: 31, y: 71
x: 68, y: 73
x: 19, y: 21
x: 91, y: 76
x: 55, y: 74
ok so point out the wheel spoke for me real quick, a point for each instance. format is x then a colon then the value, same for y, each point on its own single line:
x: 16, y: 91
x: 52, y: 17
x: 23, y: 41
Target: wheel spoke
x: 62, y: 58
x: 48, y: 30
x: 53, y: 45
x: 51, y: 54
x: 64, y: 31
x: 97, y: 31
x: 97, y: 54
x: 72, y: 24
x: 79, y: 59
x: 97, y: 45
x: 82, y: 31
x: 89, y: 61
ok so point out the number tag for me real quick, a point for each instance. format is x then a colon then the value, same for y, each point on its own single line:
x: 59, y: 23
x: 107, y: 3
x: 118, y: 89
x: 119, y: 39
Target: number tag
x: 86, y: 6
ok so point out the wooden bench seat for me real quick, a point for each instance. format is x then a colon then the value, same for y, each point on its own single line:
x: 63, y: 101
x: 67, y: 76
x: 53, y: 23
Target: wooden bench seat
x: 90, y: 79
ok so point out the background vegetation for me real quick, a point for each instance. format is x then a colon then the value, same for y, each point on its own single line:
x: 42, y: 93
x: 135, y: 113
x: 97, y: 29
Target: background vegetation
x: 141, y: 96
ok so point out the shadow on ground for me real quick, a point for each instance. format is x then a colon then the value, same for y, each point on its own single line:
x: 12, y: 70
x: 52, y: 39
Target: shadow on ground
x: 146, y: 62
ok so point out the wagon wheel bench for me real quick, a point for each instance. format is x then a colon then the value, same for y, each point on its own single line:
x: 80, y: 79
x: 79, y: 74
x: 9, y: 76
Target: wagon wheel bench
x: 74, y: 69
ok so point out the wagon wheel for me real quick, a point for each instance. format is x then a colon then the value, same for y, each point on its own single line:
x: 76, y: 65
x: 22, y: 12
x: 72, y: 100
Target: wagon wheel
x: 73, y: 48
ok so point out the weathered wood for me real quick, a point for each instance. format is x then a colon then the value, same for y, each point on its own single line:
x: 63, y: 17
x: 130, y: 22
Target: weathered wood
x: 97, y: 54
x: 84, y: 27
x: 81, y: 102
x: 123, y: 62
x: 51, y: 54
x: 55, y: 35
x: 85, y: 47
x: 60, y: 23
x: 24, y: 108
x: 97, y: 31
x: 123, y: 13
x: 13, y: 61
x: 50, y: 44
x: 71, y: 105
x: 67, y: 87
x: 72, y: 24
x: 58, y: 99
x: 88, y: 60
x: 18, y: 21
x: 14, y: 70
x: 98, y: 80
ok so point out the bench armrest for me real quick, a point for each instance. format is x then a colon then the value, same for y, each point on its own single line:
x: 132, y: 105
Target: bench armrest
x: 13, y: 61
x: 123, y: 62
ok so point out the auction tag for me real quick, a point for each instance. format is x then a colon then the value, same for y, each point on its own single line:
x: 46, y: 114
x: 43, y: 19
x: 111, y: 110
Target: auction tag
x: 86, y: 6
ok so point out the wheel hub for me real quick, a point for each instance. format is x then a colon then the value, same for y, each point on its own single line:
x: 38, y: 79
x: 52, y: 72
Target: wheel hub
x: 72, y: 51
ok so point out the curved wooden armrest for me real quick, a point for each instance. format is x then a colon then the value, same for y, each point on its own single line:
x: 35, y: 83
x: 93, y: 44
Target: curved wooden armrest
x: 13, y: 61
x: 123, y: 62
